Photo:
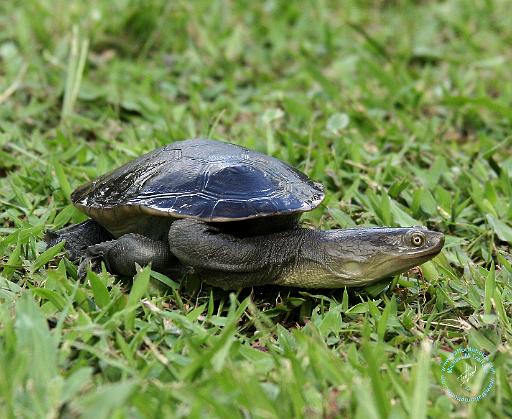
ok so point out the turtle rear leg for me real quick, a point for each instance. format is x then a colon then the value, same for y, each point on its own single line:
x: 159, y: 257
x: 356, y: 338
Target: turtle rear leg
x: 78, y: 238
x: 122, y: 255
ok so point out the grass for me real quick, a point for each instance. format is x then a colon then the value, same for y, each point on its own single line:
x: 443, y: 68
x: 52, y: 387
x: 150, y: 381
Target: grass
x: 402, y: 109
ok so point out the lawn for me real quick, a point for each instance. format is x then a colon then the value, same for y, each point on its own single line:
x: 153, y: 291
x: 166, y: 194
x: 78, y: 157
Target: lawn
x: 402, y: 109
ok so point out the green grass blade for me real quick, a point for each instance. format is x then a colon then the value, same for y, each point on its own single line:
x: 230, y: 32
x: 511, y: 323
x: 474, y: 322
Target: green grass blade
x: 421, y: 382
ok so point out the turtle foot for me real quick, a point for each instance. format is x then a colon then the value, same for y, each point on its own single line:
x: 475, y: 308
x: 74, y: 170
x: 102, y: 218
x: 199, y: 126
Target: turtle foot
x: 88, y: 264
x: 78, y: 238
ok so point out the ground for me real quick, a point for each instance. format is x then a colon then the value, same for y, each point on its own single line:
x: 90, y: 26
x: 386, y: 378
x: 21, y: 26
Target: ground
x: 402, y: 109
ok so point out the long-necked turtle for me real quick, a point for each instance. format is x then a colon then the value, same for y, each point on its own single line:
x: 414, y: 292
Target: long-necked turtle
x: 230, y: 214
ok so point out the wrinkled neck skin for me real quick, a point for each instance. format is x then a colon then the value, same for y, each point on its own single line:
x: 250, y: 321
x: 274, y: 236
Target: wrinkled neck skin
x: 358, y: 256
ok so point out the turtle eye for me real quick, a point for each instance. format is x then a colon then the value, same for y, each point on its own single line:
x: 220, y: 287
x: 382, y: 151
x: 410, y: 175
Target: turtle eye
x: 417, y: 239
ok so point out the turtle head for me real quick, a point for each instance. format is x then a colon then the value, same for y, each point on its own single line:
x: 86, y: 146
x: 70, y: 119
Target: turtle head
x: 359, y: 256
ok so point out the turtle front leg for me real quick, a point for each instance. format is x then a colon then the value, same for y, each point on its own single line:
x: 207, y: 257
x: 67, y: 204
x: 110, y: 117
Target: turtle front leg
x: 78, y: 238
x: 122, y: 255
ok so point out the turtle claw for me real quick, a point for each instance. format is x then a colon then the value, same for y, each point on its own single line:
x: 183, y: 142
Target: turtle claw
x: 94, y: 255
x: 88, y: 264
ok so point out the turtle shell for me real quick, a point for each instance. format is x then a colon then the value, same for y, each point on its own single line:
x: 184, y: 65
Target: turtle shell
x: 204, y: 179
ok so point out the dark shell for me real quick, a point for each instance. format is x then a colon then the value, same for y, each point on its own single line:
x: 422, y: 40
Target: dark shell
x: 205, y: 179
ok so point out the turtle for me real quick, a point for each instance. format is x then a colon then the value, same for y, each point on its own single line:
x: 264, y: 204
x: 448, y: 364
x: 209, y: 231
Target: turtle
x: 230, y: 216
